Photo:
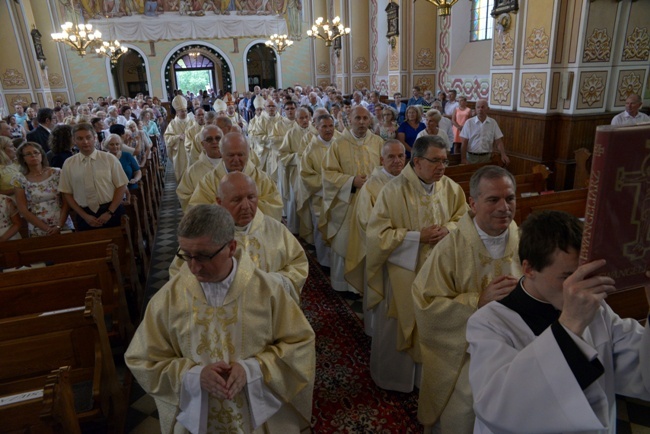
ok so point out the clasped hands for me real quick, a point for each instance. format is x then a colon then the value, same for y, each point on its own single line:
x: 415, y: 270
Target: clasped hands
x: 433, y: 234
x: 223, y: 380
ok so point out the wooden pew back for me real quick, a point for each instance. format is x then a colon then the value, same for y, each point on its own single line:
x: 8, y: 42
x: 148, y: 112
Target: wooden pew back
x: 571, y: 201
x: 61, y: 286
x: 51, y: 413
x: 77, y: 246
x: 33, y: 345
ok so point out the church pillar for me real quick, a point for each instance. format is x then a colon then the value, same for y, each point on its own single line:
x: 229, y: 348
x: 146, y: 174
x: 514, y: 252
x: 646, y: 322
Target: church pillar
x: 322, y: 64
x: 412, y: 58
x: 23, y: 76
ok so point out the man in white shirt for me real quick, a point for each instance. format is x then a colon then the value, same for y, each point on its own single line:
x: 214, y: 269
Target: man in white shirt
x: 93, y: 182
x: 631, y: 115
x: 480, y: 136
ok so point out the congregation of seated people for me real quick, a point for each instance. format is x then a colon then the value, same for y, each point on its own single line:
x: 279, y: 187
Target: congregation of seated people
x: 407, y: 204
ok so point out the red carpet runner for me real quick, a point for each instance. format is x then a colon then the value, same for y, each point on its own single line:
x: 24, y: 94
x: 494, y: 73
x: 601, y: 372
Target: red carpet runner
x: 346, y: 399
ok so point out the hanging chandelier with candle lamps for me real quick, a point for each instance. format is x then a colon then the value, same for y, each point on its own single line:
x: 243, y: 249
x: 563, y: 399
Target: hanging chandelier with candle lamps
x: 444, y: 6
x: 78, y: 36
x: 279, y: 43
x: 112, y: 50
x: 322, y: 29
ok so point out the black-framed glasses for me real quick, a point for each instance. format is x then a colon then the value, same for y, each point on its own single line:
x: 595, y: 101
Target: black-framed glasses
x: 199, y: 258
x: 444, y: 162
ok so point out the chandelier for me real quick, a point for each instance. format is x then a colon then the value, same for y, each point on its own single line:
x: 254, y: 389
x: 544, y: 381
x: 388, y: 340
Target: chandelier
x: 194, y: 55
x: 279, y: 42
x: 328, y: 33
x: 444, y: 6
x: 112, y: 50
x: 78, y: 36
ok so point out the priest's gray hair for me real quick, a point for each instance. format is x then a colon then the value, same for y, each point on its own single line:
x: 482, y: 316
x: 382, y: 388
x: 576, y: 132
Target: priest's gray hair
x: 422, y: 145
x: 387, y: 143
x: 321, y: 118
x: 206, y: 130
x: 208, y: 220
x: 489, y: 172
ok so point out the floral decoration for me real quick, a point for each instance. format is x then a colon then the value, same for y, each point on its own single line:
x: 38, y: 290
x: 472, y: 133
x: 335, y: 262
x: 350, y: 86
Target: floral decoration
x: 503, y: 47
x: 424, y: 58
x: 13, y: 78
x: 598, y: 47
x: 537, y: 45
x: 533, y: 90
x: 592, y: 90
x: 637, y: 45
x: 501, y: 90
x: 630, y: 84
x: 360, y: 65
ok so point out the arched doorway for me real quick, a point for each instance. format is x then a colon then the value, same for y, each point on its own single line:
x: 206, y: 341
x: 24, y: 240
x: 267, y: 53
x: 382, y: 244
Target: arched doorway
x: 130, y: 75
x: 261, y: 67
x: 197, y: 67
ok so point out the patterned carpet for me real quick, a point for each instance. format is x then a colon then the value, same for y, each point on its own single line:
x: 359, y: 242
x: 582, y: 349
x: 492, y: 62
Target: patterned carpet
x: 345, y: 398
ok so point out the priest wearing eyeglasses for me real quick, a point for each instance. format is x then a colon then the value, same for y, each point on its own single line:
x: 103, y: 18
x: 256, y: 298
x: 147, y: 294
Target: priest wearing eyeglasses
x: 222, y: 346
x: 413, y: 212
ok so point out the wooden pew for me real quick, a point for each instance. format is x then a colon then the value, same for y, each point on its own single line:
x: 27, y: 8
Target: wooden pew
x: 33, y: 345
x: 51, y: 411
x: 142, y: 254
x: 463, y: 172
x: 571, y: 201
x: 61, y: 286
x: 77, y: 246
x: 527, y: 183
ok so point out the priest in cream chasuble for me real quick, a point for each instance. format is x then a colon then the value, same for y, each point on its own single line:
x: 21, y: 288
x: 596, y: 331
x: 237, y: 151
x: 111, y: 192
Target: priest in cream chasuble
x: 475, y: 264
x: 210, y: 137
x: 347, y: 165
x: 259, y: 133
x: 393, y: 158
x: 289, y: 154
x: 223, y: 347
x: 413, y: 212
x: 175, y: 137
x: 310, y: 195
x: 235, y: 159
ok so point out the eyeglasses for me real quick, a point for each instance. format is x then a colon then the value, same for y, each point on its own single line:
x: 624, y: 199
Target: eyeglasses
x: 31, y: 154
x: 436, y: 161
x: 199, y: 258
x: 212, y: 139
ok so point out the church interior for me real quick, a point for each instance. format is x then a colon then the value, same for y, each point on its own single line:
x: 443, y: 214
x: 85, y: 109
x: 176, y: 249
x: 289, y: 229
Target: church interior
x: 552, y: 71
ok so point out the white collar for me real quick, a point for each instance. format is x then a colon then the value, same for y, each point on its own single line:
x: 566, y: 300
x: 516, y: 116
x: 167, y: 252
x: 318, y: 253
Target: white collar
x: 387, y: 174
x: 215, y: 292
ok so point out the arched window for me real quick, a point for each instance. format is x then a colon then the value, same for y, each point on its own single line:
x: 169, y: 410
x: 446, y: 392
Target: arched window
x: 482, y: 22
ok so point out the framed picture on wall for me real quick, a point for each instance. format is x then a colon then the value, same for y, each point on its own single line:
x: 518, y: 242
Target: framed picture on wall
x: 392, y: 16
x: 504, y: 6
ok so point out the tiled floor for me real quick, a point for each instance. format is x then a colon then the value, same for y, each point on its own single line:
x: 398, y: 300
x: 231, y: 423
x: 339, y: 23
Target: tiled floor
x: 633, y: 415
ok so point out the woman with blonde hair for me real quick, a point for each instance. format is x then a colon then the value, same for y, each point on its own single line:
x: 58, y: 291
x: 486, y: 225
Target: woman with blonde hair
x: 8, y: 166
x: 387, y: 126
x: 432, y: 119
x: 37, y: 195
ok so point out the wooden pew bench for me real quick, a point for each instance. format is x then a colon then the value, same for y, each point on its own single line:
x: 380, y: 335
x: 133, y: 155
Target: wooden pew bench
x: 49, y: 410
x: 61, y: 286
x: 571, y: 201
x: 33, y: 345
x: 77, y: 246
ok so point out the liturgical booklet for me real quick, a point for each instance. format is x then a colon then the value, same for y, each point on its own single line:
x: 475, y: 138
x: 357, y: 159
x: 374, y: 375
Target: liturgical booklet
x: 617, y: 217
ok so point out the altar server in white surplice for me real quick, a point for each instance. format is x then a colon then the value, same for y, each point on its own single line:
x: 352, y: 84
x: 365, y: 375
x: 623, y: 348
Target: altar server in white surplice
x: 475, y: 264
x: 393, y: 158
x: 413, y: 213
x: 223, y: 347
x: 552, y: 355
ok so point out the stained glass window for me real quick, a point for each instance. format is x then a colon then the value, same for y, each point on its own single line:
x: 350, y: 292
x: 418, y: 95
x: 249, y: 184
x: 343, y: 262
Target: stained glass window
x: 482, y: 23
